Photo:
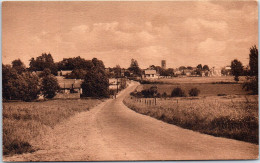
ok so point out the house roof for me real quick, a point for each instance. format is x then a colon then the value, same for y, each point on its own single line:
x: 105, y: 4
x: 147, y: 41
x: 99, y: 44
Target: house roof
x: 69, y: 83
x: 147, y: 72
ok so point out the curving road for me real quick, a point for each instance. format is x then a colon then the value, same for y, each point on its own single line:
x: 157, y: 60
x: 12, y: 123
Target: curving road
x: 111, y: 131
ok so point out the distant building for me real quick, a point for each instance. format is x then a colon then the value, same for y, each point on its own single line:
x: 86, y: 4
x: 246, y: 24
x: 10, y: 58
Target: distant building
x: 64, y: 72
x: 163, y: 64
x: 150, y: 74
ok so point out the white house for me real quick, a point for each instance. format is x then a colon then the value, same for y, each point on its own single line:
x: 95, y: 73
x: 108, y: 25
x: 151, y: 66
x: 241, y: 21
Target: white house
x: 150, y: 74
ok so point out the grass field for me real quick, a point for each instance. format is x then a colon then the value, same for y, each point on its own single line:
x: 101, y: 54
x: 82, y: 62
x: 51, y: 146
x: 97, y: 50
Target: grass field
x: 206, y: 89
x: 233, y: 117
x: 175, y: 80
x: 24, y: 123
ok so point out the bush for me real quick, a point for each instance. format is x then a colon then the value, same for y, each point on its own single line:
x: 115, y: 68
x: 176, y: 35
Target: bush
x: 17, y: 147
x: 164, y: 94
x: 178, y: 92
x: 194, y: 92
x: 251, y: 85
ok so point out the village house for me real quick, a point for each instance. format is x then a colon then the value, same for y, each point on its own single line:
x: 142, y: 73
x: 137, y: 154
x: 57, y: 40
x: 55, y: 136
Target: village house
x: 150, y: 74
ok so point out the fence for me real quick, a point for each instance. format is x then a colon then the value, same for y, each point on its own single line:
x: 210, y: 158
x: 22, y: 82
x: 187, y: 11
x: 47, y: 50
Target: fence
x: 193, y: 100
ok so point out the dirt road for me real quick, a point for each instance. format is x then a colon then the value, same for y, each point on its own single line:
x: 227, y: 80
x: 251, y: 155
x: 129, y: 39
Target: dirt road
x: 111, y: 131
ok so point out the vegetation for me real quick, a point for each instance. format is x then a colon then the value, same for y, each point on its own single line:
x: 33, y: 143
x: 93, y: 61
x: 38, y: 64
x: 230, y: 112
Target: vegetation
x: 194, y: 92
x: 236, y: 69
x: 96, y: 82
x: 230, y: 117
x: 24, y: 86
x: 49, y: 85
x: 24, y: 124
x: 134, y: 68
x: 42, y: 62
x: 178, y: 92
x: 252, y: 80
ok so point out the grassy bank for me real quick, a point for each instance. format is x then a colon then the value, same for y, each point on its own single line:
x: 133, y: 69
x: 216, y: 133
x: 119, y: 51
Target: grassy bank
x: 233, y: 117
x: 24, y: 123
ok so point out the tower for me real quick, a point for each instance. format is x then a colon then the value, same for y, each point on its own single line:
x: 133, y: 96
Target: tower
x: 163, y: 64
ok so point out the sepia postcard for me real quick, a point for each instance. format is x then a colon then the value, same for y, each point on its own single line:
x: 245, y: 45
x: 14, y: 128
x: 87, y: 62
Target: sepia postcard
x: 130, y: 80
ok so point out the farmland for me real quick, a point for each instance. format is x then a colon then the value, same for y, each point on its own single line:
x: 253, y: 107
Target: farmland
x: 206, y: 89
x: 222, y: 108
x: 25, y: 123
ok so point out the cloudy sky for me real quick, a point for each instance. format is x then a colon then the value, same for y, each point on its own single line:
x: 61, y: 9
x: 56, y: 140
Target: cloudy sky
x: 183, y: 33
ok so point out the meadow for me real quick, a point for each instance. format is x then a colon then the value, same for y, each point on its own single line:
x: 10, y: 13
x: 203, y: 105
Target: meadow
x: 233, y: 117
x: 24, y: 123
x: 206, y: 89
x: 222, y: 107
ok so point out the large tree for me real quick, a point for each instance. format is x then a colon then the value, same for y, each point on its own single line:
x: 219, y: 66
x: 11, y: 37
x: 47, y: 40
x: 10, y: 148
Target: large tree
x: 134, y: 68
x: 252, y: 80
x: 50, y: 85
x: 236, y: 69
x: 74, y: 63
x: 96, y: 82
x: 205, y: 67
x: 253, y: 61
x: 16, y: 86
x: 19, y: 66
x: 42, y: 62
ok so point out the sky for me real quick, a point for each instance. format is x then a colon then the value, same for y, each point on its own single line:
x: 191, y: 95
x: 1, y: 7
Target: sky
x: 184, y: 33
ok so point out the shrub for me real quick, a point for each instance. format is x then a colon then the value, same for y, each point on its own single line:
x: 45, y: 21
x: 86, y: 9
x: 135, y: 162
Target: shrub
x: 194, y: 92
x: 178, y: 92
x: 164, y: 94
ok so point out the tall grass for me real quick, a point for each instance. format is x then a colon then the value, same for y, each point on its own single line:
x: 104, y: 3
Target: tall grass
x: 235, y: 118
x: 25, y: 123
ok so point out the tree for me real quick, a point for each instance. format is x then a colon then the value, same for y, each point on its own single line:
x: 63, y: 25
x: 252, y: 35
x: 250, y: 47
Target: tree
x: 16, y: 86
x: 117, y: 71
x: 42, y: 62
x: 134, y: 68
x: 74, y: 63
x: 19, y: 66
x: 49, y: 86
x: 199, y: 67
x: 205, y: 68
x: 96, y: 82
x: 253, y: 61
x: 236, y: 69
x: 252, y: 80
x: 77, y: 74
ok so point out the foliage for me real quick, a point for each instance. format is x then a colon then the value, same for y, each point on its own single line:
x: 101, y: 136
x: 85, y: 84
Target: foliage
x: 253, y: 61
x: 42, y: 62
x: 199, y: 67
x: 178, y: 92
x: 236, y: 69
x: 96, y: 82
x: 49, y: 86
x: 134, y: 68
x: 75, y: 63
x: 19, y: 66
x: 77, y: 74
x: 205, y: 67
x: 252, y: 80
x: 194, y: 92
x: 16, y: 86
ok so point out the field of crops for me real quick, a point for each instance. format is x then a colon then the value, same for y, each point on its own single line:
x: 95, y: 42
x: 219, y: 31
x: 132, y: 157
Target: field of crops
x: 232, y: 116
x: 24, y: 123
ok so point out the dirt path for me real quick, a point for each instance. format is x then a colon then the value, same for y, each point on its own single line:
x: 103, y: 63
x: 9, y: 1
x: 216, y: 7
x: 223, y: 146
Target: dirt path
x: 111, y: 131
